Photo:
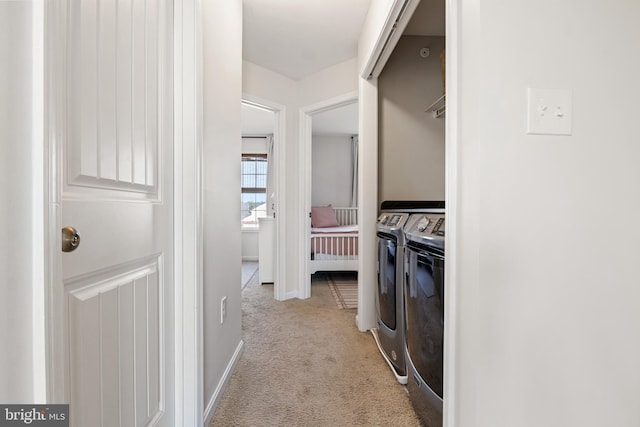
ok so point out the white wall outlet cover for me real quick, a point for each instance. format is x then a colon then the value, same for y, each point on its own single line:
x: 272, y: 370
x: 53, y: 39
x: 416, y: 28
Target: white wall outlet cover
x: 223, y: 309
x: 549, y: 111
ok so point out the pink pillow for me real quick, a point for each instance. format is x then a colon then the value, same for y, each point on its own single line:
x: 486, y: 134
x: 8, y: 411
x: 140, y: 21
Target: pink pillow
x: 323, y: 216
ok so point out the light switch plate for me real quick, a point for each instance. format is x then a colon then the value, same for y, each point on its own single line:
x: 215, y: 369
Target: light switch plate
x: 549, y: 111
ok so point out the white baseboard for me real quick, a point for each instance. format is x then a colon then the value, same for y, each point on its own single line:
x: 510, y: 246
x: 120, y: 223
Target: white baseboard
x: 222, y: 384
x: 291, y: 295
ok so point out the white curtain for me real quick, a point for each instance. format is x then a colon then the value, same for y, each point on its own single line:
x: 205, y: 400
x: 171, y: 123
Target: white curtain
x: 270, y: 178
x: 354, y: 171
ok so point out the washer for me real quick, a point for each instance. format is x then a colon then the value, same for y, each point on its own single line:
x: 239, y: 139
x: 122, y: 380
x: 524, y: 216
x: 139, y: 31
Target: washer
x: 424, y: 315
x: 389, y: 333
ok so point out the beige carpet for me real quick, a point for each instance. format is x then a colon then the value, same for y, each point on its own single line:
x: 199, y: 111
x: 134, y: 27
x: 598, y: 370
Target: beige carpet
x: 344, y: 288
x: 306, y: 364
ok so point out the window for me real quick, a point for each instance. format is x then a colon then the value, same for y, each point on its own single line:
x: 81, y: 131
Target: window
x: 254, y: 188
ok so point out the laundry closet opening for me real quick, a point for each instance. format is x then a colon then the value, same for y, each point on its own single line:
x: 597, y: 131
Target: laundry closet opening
x: 411, y: 227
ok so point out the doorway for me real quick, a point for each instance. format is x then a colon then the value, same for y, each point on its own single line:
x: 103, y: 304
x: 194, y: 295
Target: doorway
x: 323, y: 116
x: 263, y: 124
x: 257, y: 192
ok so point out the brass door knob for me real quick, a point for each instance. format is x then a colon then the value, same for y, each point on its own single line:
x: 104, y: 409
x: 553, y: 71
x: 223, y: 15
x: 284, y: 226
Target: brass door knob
x: 70, y: 239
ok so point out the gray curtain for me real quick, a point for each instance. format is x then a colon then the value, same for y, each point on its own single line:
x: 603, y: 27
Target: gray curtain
x: 354, y: 171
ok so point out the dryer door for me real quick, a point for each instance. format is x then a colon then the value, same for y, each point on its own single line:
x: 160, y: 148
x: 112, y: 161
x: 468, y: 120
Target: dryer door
x: 386, y: 293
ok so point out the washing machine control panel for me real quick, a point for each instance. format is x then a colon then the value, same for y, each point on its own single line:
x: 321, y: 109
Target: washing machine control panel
x: 392, y: 220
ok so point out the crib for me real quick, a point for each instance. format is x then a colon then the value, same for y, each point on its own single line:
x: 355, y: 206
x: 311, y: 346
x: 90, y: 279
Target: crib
x: 335, y: 248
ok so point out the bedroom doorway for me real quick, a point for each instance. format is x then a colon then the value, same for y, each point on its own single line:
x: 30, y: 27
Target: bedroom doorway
x: 262, y: 124
x: 256, y: 183
x: 328, y: 136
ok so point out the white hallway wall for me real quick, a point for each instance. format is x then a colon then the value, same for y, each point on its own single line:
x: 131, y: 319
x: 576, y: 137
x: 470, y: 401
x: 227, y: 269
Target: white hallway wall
x: 549, y: 326
x: 267, y: 85
x: 222, y: 86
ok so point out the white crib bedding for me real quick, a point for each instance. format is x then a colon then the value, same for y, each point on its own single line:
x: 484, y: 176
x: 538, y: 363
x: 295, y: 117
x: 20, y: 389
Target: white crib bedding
x: 351, y: 228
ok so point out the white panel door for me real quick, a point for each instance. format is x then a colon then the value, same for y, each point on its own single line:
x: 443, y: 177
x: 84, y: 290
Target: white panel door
x: 116, y: 190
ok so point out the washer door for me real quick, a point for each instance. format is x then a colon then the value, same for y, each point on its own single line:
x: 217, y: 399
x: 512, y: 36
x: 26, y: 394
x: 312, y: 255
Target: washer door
x: 424, y: 314
x: 386, y: 294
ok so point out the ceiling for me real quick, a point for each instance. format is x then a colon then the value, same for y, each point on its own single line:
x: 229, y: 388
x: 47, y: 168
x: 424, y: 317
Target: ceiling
x: 297, y: 38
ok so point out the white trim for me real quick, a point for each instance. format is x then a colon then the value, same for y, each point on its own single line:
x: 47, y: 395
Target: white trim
x: 397, y: 20
x: 222, y: 384
x: 452, y: 135
x: 279, y: 131
x: 251, y: 229
x: 367, y: 200
x: 54, y: 132
x: 188, y: 225
x: 290, y: 295
x: 303, y: 289
x: 38, y: 200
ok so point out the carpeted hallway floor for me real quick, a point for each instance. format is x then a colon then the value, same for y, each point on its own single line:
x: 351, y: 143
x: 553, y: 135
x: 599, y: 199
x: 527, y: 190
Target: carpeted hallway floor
x: 306, y: 364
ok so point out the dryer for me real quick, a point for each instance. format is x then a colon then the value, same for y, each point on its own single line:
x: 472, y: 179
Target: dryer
x: 424, y: 315
x: 390, y: 330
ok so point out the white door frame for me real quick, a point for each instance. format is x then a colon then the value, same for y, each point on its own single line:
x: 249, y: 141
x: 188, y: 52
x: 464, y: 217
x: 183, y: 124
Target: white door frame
x: 305, y: 123
x: 188, y: 215
x: 187, y: 209
x: 452, y: 195
x: 279, y: 127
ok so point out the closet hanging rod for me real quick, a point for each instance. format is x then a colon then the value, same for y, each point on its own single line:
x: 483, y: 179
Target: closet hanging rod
x: 438, y: 108
x: 436, y: 102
